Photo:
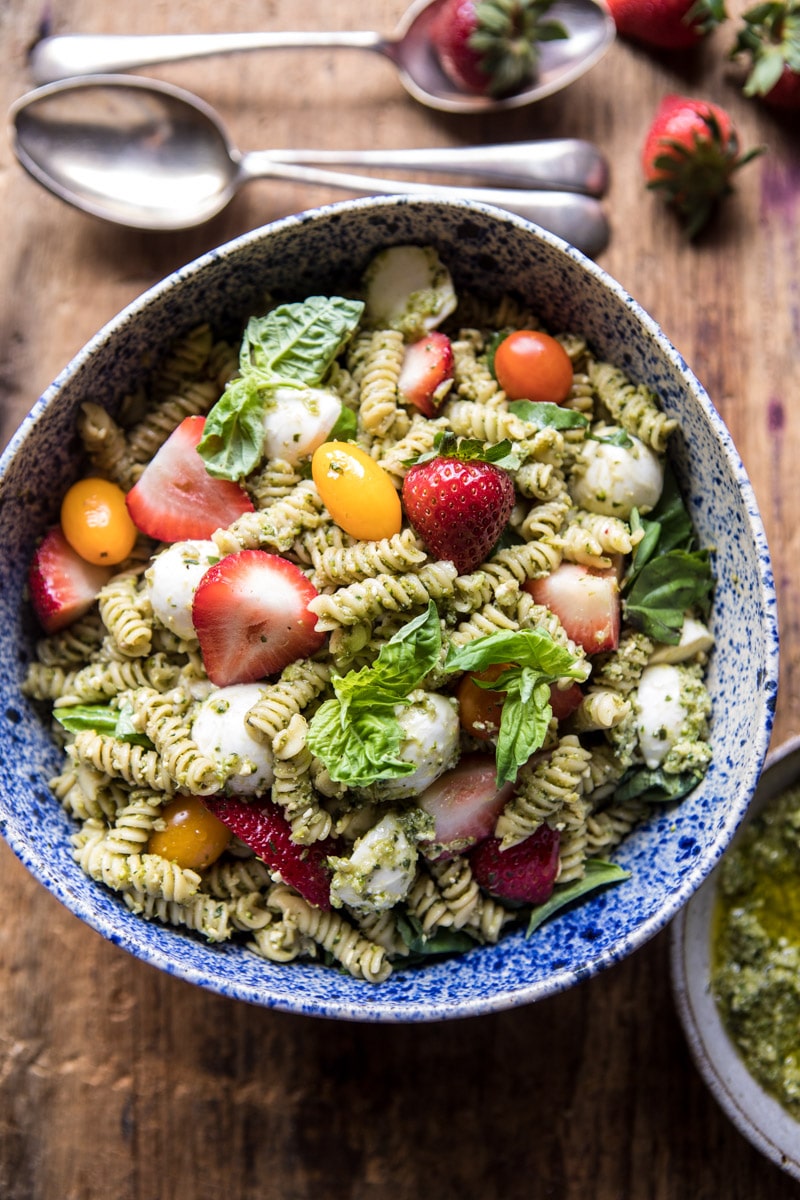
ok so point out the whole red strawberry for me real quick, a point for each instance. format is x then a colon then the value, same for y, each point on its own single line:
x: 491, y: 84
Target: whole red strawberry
x: 525, y: 873
x: 690, y: 153
x: 458, y: 503
x: 491, y: 46
x: 771, y: 36
x: 667, y: 24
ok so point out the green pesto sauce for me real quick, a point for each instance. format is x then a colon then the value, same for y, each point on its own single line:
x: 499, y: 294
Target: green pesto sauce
x: 756, y: 948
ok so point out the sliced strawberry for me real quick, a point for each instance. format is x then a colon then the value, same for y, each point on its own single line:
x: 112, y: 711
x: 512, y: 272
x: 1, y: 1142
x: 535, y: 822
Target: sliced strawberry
x: 585, y: 601
x: 427, y: 372
x: 262, y: 826
x: 176, y: 499
x: 63, y: 586
x: 250, y: 614
x: 458, y: 506
x: 525, y: 873
x: 465, y: 803
x: 564, y: 701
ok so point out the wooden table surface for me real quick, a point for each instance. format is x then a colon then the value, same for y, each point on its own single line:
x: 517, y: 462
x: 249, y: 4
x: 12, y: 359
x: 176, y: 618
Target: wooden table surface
x: 120, y: 1083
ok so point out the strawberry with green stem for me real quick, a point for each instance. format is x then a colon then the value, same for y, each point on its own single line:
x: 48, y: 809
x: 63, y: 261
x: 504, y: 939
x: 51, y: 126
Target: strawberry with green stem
x: 458, y: 499
x: 690, y: 154
x: 491, y: 47
x: 771, y: 36
x: 667, y: 24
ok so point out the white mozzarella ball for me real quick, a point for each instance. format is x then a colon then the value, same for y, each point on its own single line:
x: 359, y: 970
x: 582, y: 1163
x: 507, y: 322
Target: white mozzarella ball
x: 612, y: 479
x: 172, y: 580
x: 380, y: 869
x: 297, y: 420
x: 430, y: 742
x: 221, y: 733
x: 408, y: 288
x: 660, y: 712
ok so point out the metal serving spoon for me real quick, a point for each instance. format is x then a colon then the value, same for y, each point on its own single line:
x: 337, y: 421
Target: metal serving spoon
x: 591, y: 31
x: 152, y: 156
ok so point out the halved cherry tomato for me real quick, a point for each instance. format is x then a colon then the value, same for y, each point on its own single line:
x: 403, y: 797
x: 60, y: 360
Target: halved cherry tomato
x: 96, y: 522
x: 530, y: 365
x: 193, y: 837
x: 359, y: 494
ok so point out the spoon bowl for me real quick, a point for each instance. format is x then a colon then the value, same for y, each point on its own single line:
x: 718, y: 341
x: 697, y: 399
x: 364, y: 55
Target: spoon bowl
x: 589, y: 26
x: 148, y: 155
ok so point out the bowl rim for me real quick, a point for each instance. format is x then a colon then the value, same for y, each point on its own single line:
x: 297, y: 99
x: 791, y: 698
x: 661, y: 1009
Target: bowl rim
x: 757, y: 1115
x: 420, y: 1010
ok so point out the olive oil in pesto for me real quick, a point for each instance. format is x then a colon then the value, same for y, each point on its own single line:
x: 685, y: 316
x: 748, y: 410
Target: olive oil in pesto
x: 756, y: 948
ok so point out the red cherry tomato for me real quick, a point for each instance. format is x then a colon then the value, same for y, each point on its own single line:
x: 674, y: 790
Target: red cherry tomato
x: 530, y: 365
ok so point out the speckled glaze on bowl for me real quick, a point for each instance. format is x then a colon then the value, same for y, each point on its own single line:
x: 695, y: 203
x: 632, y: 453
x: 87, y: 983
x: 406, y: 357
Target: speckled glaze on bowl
x: 318, y: 252
x: 756, y: 1114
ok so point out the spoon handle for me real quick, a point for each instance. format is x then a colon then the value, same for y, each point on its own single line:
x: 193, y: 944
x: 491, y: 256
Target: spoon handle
x: 578, y: 219
x: 563, y: 164
x: 65, y: 55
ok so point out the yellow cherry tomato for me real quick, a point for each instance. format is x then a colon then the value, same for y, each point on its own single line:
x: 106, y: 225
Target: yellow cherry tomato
x: 96, y: 522
x: 193, y: 837
x: 359, y: 494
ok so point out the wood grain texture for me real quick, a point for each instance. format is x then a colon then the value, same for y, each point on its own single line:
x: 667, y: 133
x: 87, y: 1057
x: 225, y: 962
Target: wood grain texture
x: 120, y: 1083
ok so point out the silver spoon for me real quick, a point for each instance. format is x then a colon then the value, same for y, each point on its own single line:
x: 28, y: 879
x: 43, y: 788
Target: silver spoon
x: 152, y: 156
x: 591, y: 31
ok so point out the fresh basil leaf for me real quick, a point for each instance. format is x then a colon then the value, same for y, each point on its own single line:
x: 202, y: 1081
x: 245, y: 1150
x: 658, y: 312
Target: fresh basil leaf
x: 645, y: 548
x: 664, y: 589
x: 102, y: 718
x: 491, y: 347
x: 547, y: 416
x: 346, y: 427
x: 232, y: 444
x: 599, y: 874
x: 535, y: 662
x: 356, y: 733
x: 672, y: 517
x: 358, y: 744
x: 524, y: 723
x: 76, y: 717
x: 656, y: 786
x: 401, y: 665
x: 298, y: 342
x: 525, y: 647
x: 618, y: 438
x: 443, y: 941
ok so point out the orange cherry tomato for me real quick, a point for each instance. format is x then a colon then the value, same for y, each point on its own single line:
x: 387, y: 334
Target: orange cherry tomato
x: 480, y: 709
x: 193, y: 837
x: 96, y: 522
x: 359, y: 494
x: 530, y: 365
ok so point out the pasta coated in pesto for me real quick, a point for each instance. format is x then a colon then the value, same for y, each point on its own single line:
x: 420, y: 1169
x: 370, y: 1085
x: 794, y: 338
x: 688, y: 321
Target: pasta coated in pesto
x: 127, y: 691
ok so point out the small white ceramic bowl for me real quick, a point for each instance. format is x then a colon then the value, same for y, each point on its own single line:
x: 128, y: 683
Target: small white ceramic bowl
x: 754, y: 1112
x: 490, y: 252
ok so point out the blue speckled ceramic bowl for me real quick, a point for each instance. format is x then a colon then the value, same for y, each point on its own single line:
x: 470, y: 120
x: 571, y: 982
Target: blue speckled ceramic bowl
x: 490, y: 251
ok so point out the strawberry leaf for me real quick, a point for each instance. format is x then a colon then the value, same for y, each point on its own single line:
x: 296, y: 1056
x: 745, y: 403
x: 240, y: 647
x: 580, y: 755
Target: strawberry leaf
x: 599, y: 874
x: 447, y: 444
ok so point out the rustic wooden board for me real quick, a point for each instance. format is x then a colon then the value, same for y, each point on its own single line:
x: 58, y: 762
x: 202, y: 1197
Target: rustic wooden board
x: 117, y: 1081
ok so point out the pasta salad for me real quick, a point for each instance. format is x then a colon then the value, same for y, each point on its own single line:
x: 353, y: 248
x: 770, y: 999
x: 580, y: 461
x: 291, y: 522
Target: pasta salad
x: 371, y: 638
